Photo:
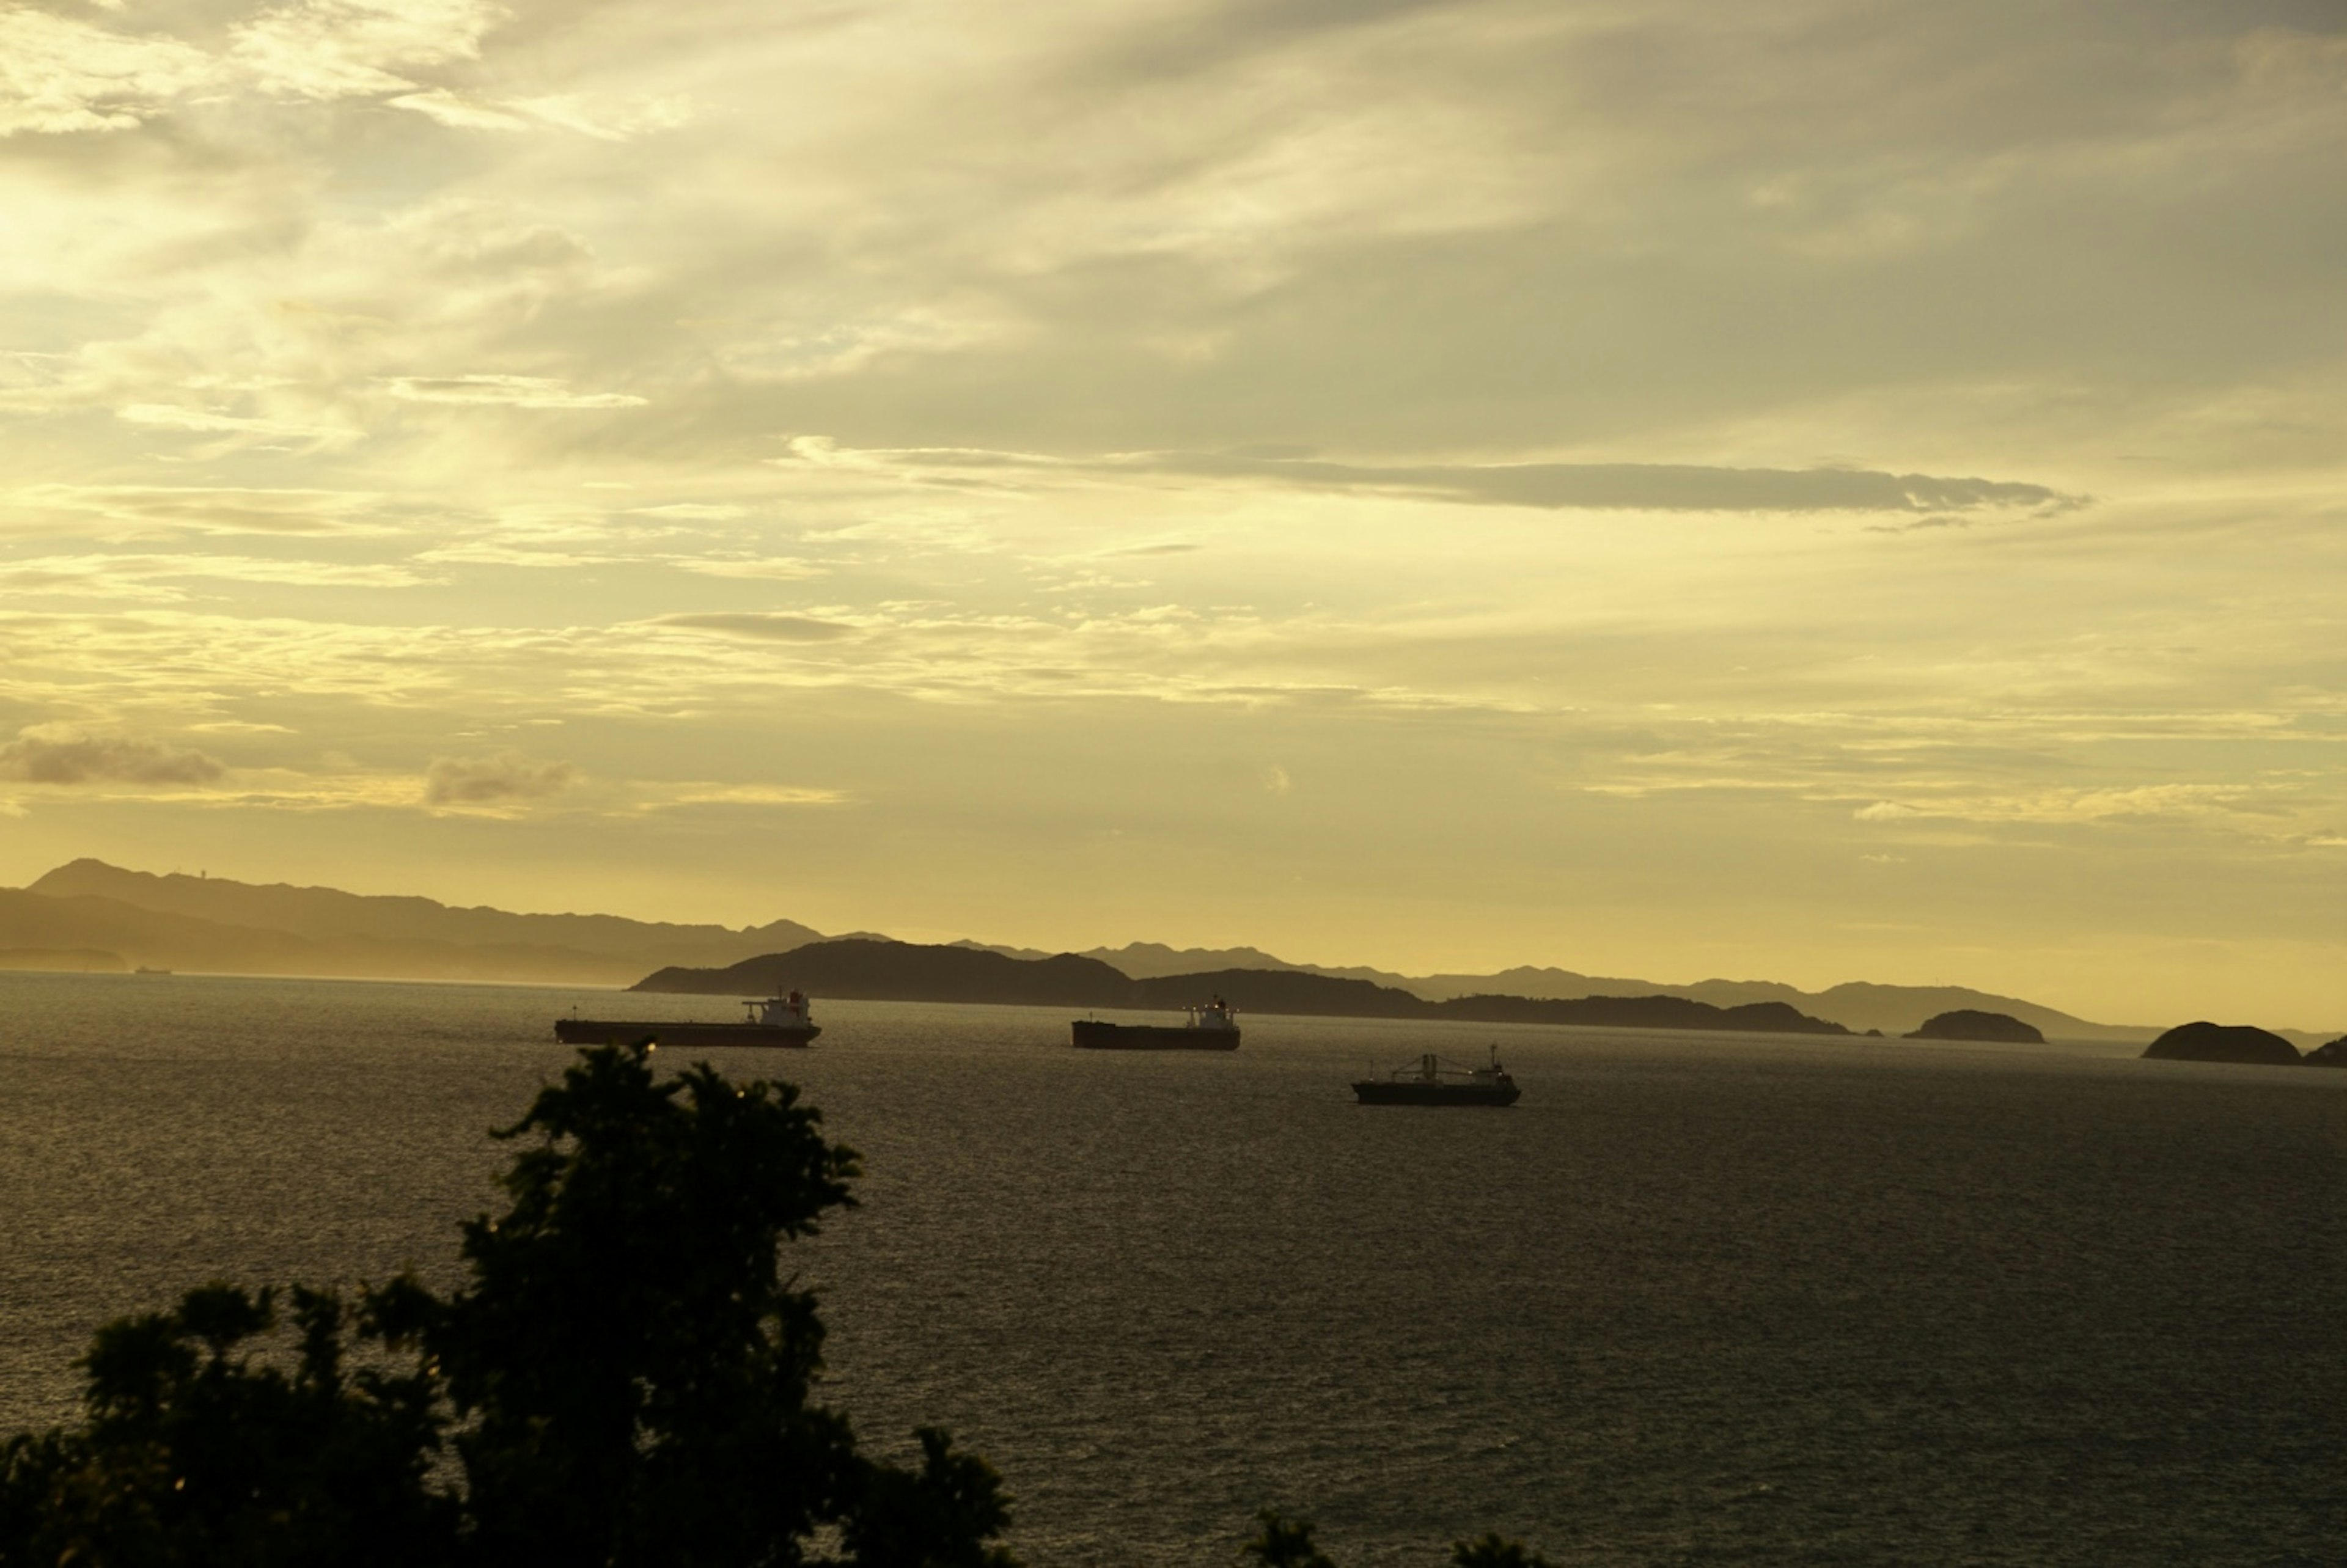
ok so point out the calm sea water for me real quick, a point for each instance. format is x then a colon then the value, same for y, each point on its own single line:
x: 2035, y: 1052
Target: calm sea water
x: 1695, y: 1299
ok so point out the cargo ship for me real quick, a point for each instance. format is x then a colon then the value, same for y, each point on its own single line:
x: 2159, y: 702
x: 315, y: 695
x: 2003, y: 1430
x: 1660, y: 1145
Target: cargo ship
x: 782, y: 1021
x: 1211, y: 1026
x: 1432, y: 1082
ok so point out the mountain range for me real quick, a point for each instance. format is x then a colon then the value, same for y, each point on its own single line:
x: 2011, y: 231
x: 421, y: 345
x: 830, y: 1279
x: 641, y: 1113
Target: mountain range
x: 212, y: 924
x: 90, y: 914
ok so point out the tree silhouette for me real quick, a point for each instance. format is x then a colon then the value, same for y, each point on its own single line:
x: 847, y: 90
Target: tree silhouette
x: 1284, y: 1543
x: 196, y: 1452
x: 625, y: 1379
x: 1488, y: 1551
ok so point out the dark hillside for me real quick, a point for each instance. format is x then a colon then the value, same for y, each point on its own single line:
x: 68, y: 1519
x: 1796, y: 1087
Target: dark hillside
x: 2201, y: 1041
x: 1971, y: 1023
x: 1290, y: 992
x: 1636, y: 1012
x: 188, y: 943
x: 862, y: 971
x: 564, y: 945
x: 867, y: 970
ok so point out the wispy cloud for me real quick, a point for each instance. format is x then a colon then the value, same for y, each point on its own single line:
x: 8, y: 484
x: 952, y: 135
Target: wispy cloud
x: 760, y: 627
x: 506, y: 391
x: 347, y: 48
x: 1597, y: 487
x: 59, y: 76
x: 121, y: 575
x: 654, y: 797
x: 769, y: 568
x: 205, y: 509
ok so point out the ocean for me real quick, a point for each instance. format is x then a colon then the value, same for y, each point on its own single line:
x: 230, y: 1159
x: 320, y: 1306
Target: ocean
x: 1699, y: 1298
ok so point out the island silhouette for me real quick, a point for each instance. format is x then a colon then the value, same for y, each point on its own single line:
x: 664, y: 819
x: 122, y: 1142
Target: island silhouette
x: 2201, y: 1041
x: 1969, y: 1024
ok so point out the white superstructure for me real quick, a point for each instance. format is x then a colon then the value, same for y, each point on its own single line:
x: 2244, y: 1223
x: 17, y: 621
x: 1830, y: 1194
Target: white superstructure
x: 783, y: 1012
x: 1217, y: 1014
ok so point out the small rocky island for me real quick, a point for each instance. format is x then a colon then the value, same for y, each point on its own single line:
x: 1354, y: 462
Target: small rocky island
x: 1969, y: 1024
x: 2201, y: 1041
x: 2333, y: 1055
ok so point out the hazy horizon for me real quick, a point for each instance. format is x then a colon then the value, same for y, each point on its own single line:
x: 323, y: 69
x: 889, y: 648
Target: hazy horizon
x: 1809, y: 492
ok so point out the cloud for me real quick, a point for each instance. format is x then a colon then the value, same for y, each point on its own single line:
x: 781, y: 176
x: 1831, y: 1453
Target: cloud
x: 672, y: 796
x: 340, y: 48
x: 461, y: 113
x: 506, y: 391
x: 1622, y: 487
x: 1936, y: 520
x: 173, y: 416
x: 2115, y: 801
x: 128, y: 574
x: 209, y: 509
x: 764, y: 627
x: 58, y: 76
x: 693, y: 512
x: 772, y: 568
x: 64, y: 755
x: 606, y: 122
x: 1593, y: 486
x: 507, y: 778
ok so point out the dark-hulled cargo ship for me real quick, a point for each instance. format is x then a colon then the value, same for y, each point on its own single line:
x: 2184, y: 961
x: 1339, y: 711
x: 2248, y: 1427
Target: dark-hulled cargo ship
x: 1432, y: 1082
x: 1211, y: 1026
x: 783, y: 1022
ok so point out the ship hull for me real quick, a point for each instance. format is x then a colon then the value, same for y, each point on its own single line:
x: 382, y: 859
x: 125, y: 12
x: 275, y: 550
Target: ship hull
x: 1406, y: 1093
x: 1093, y: 1035
x: 599, y: 1031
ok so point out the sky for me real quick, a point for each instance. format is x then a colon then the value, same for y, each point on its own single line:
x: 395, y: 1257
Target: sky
x: 1805, y: 489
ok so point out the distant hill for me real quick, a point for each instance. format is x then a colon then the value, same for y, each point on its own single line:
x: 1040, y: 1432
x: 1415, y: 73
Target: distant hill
x: 1968, y: 1023
x: 2201, y: 1041
x: 861, y: 968
x: 215, y: 924
x: 186, y: 943
x: 321, y: 912
x: 81, y: 961
x: 1149, y: 960
x: 1857, y: 1006
x: 865, y: 970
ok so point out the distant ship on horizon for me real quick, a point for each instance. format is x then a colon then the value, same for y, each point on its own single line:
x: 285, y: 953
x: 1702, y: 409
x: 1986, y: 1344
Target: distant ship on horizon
x: 787, y: 1023
x: 1211, y: 1026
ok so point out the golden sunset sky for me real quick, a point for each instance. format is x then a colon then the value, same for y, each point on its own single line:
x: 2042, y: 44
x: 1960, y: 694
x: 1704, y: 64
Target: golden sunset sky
x: 1813, y: 490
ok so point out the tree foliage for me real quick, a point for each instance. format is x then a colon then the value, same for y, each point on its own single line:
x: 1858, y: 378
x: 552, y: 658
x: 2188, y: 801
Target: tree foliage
x: 1284, y: 1542
x: 625, y: 1379
x: 1488, y: 1551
